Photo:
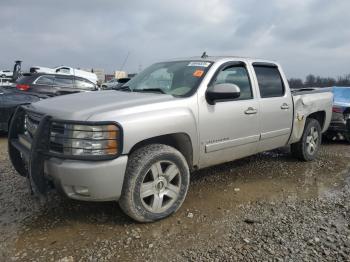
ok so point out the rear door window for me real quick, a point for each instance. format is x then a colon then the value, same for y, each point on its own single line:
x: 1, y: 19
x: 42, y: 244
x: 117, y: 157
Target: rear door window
x: 64, y: 81
x: 269, y: 80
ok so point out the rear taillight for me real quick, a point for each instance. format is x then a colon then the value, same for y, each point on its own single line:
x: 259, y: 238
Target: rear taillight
x: 22, y: 87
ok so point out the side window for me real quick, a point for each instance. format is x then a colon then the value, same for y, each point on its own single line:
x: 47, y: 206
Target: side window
x: 45, y: 80
x: 63, y: 81
x: 83, y: 84
x: 270, y: 81
x: 237, y: 75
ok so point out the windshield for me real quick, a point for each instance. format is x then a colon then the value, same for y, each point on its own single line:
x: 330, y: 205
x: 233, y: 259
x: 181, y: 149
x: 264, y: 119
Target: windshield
x: 180, y: 78
x: 341, y: 94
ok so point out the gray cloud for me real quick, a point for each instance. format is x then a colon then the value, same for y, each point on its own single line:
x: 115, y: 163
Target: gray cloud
x: 311, y: 36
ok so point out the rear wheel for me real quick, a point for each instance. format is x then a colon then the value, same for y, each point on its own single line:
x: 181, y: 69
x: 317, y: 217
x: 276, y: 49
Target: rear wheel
x: 156, y: 183
x: 306, y: 149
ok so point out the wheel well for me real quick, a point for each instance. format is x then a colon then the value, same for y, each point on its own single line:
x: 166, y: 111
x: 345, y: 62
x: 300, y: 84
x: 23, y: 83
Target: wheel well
x: 320, y: 116
x: 180, y: 141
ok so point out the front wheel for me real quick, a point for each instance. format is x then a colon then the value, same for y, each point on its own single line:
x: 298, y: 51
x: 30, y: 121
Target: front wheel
x: 156, y: 183
x: 306, y: 149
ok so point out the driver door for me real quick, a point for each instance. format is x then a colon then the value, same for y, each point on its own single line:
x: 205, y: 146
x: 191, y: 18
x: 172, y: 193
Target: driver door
x: 229, y: 129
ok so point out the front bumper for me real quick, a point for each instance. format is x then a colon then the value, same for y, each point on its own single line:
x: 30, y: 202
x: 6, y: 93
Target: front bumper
x: 79, y: 179
x: 88, y: 180
x: 338, y: 127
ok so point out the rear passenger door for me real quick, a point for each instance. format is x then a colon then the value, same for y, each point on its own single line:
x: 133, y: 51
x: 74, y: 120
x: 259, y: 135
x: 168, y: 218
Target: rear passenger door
x: 276, y: 107
x: 43, y: 84
x: 64, y: 84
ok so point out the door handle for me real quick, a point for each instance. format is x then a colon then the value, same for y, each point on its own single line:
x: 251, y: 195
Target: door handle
x: 284, y: 106
x: 251, y: 111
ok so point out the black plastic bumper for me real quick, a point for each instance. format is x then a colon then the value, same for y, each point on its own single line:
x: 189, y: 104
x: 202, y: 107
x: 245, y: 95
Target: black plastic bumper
x: 341, y: 127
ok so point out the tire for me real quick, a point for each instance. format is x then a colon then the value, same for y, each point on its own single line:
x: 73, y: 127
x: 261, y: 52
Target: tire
x: 161, y: 173
x: 307, y: 148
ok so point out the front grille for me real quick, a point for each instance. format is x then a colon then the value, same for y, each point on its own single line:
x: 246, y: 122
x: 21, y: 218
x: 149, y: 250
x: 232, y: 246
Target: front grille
x: 31, y: 123
x: 57, y: 131
x: 56, y: 147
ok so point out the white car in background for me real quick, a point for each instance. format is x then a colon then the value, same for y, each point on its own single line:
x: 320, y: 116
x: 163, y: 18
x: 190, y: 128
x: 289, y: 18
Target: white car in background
x: 6, y: 73
x: 5, y: 81
x: 65, y: 70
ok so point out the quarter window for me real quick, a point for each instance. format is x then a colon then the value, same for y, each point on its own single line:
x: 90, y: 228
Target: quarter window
x: 45, y: 80
x: 237, y: 75
x: 270, y: 81
x: 83, y: 84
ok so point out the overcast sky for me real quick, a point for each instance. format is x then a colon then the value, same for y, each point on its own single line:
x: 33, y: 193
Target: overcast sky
x: 306, y: 36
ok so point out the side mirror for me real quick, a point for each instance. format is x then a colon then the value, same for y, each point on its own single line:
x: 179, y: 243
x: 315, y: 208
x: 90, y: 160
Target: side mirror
x: 222, y: 92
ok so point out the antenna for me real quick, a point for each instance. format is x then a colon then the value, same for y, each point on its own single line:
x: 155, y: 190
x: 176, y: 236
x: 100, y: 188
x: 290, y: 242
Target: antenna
x: 124, y: 62
x: 204, y: 55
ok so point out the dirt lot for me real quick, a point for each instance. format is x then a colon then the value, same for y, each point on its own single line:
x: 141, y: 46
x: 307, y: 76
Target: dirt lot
x: 265, y: 207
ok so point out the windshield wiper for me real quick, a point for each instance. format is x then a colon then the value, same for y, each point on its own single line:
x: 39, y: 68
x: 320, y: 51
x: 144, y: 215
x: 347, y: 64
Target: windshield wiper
x: 157, y: 90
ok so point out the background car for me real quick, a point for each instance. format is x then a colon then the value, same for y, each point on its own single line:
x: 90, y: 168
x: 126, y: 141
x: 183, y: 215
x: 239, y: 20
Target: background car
x: 53, y: 84
x: 10, y: 98
x: 114, y: 83
x: 5, y: 73
x: 66, y: 70
x: 340, y: 124
x: 5, y: 81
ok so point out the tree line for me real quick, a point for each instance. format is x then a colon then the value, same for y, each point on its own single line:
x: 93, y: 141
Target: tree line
x: 318, y: 81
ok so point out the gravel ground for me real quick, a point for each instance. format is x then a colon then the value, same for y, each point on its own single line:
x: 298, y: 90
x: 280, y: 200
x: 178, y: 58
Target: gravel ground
x: 266, y: 207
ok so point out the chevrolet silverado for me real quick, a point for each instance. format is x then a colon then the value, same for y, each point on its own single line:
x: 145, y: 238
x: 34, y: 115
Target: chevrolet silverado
x: 139, y: 144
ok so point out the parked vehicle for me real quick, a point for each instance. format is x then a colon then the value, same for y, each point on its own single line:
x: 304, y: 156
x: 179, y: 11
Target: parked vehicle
x: 5, y: 73
x: 114, y: 83
x: 9, y: 100
x: 340, y: 124
x: 53, y: 84
x: 5, y: 81
x: 34, y: 87
x: 65, y: 70
x: 139, y: 144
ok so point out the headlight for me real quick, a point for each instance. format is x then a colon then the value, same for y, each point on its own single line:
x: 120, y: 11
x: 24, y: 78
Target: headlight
x: 85, y: 139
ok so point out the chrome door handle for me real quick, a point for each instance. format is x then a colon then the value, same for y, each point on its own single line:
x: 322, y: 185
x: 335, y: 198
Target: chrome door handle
x: 284, y: 106
x: 251, y: 111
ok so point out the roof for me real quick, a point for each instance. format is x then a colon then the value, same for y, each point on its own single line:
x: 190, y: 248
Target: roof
x: 221, y: 58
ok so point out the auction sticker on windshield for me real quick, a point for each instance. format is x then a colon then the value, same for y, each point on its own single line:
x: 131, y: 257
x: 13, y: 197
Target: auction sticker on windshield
x: 198, y: 73
x: 201, y: 64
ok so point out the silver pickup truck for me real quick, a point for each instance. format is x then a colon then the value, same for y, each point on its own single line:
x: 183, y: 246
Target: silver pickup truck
x: 139, y: 144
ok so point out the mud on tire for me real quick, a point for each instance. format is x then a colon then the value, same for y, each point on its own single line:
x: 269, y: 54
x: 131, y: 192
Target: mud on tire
x: 307, y: 148
x: 155, y: 184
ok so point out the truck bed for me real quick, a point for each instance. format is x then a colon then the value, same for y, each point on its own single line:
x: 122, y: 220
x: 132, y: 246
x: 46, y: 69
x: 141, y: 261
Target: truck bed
x: 306, y: 102
x: 311, y: 90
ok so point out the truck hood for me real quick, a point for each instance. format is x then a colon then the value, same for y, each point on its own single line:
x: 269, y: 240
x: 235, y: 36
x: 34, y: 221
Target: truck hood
x: 81, y: 106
